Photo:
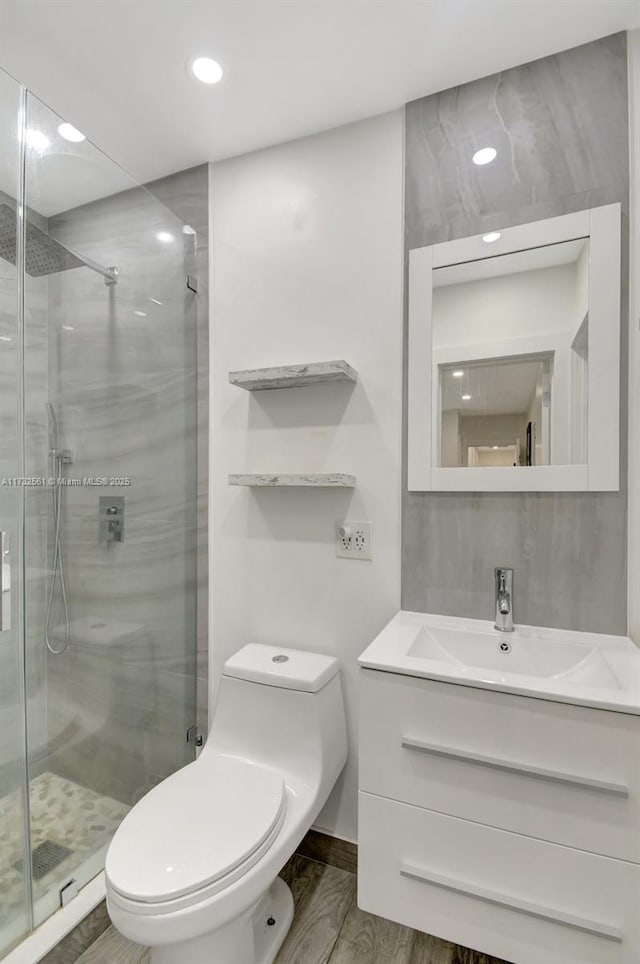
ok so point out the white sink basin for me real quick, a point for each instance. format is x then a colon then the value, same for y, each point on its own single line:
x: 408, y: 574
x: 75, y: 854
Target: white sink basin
x: 533, y: 656
x: 586, y: 668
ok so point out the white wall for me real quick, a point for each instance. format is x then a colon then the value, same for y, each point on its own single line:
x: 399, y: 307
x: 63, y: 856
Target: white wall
x: 634, y: 341
x: 507, y: 307
x: 307, y: 266
x: 450, y: 440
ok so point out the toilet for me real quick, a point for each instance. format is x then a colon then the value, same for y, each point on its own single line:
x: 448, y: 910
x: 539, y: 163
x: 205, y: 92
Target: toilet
x: 192, y: 871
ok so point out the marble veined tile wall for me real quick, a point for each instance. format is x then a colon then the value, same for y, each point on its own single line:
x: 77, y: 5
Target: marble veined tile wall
x: 560, y: 128
x: 35, y: 365
x: 187, y: 195
x: 122, y: 374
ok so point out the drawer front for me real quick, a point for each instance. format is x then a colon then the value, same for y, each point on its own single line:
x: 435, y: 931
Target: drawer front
x: 513, y: 897
x: 568, y: 774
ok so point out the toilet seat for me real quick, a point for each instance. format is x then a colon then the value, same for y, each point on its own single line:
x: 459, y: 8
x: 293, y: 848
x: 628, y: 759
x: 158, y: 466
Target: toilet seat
x: 195, y: 833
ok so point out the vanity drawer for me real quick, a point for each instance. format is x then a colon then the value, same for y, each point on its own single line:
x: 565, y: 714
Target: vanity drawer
x: 565, y: 773
x: 516, y: 898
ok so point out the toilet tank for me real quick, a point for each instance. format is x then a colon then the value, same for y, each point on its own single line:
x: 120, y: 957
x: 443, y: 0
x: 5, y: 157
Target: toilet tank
x: 282, y: 708
x: 291, y: 669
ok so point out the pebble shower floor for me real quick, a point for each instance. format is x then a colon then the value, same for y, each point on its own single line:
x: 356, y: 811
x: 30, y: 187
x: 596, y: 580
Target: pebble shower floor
x: 68, y: 824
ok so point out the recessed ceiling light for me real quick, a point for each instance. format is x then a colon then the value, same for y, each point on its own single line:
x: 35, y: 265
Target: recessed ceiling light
x: 140, y: 314
x: 491, y: 237
x: 37, y: 140
x: 206, y: 70
x: 495, y: 447
x: 165, y: 236
x: 4, y: 338
x: 457, y: 374
x: 68, y: 327
x: 484, y: 156
x: 71, y: 133
x: 466, y: 398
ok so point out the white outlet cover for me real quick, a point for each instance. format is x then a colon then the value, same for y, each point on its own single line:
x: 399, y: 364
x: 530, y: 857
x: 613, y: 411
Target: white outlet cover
x: 354, y: 540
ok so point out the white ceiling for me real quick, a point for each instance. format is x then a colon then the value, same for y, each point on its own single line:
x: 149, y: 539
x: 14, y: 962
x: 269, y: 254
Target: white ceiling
x: 495, y: 389
x: 532, y: 259
x: 117, y: 69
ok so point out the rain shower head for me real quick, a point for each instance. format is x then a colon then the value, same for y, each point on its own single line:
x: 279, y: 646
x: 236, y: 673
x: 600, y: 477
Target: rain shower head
x: 43, y: 254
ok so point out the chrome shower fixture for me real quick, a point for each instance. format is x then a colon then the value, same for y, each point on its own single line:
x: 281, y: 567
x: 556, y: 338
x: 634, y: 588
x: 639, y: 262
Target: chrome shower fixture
x: 57, y: 460
x: 43, y: 254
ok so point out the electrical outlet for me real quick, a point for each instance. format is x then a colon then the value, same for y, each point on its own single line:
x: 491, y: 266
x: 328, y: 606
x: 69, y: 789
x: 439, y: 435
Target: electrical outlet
x: 354, y: 540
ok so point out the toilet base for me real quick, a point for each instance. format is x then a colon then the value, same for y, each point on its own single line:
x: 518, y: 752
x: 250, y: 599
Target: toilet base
x: 276, y: 905
x: 250, y: 939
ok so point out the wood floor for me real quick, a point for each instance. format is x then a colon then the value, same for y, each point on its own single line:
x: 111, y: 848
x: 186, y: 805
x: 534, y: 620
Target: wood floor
x: 327, y: 928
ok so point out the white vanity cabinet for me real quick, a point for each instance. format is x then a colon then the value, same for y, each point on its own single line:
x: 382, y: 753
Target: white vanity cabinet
x: 502, y: 822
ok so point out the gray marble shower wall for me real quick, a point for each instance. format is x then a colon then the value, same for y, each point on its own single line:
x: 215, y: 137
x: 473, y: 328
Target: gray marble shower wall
x: 36, y: 505
x: 123, y: 377
x: 187, y: 195
x: 560, y: 126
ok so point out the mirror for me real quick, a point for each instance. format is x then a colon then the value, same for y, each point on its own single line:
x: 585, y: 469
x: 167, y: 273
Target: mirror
x: 514, y: 358
x: 517, y: 324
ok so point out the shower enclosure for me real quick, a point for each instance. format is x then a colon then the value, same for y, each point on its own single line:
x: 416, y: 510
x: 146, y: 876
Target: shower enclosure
x: 97, y: 504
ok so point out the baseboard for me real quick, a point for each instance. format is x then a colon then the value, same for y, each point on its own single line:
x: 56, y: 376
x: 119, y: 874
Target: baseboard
x: 330, y: 850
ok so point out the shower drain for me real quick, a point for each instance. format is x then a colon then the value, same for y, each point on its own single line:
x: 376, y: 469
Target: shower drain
x: 44, y: 858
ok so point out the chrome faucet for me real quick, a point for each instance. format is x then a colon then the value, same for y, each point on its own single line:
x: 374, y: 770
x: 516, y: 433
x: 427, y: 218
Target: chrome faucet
x: 504, y: 599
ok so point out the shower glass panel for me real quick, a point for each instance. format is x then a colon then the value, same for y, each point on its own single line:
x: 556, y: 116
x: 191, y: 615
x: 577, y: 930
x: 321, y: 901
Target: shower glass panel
x: 99, y: 663
x: 14, y: 884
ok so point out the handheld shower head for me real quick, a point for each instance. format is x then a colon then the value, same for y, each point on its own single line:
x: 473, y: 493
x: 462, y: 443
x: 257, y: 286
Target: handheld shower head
x: 53, y: 429
x: 56, y: 462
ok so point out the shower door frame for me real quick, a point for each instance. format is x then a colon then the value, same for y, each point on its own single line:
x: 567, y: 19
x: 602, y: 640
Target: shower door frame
x: 18, y: 567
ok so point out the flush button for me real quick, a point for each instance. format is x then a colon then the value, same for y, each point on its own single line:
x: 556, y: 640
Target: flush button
x: 280, y: 659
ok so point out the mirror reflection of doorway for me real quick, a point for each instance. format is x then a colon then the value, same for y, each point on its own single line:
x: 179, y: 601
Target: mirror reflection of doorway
x: 485, y: 456
x: 496, y: 412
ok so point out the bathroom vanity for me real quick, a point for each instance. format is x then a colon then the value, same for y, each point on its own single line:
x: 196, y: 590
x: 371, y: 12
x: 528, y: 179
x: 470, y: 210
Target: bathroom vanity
x: 500, y: 787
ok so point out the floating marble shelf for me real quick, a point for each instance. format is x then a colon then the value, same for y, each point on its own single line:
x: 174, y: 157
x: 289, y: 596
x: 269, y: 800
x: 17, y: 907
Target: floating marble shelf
x: 324, y: 480
x: 293, y: 376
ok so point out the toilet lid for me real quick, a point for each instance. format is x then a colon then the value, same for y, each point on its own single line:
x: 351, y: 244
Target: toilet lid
x: 194, y: 828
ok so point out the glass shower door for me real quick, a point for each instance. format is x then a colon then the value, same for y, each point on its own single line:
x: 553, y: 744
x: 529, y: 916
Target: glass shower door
x: 15, y: 912
x: 98, y: 550
x: 109, y: 544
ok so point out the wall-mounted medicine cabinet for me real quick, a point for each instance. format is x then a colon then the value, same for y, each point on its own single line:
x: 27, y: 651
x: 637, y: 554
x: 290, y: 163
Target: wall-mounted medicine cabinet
x: 514, y: 358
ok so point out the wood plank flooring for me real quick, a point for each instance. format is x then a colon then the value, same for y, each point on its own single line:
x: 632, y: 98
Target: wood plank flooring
x: 112, y: 948
x: 328, y: 928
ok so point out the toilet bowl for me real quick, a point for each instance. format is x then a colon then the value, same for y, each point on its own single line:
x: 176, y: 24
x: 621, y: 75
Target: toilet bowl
x: 192, y: 870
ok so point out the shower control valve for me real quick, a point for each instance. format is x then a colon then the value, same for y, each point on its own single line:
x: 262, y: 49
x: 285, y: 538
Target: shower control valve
x: 111, y: 519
